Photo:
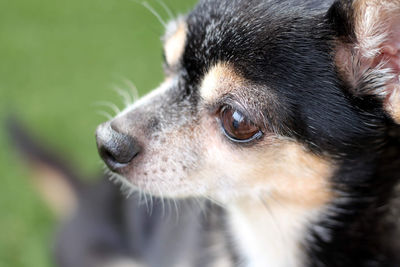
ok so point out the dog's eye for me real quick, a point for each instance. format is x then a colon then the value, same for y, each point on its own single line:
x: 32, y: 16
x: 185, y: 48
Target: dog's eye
x: 237, y: 127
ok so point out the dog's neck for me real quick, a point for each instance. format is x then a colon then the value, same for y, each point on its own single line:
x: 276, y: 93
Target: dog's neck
x: 268, y: 233
x: 360, y: 223
x: 356, y: 229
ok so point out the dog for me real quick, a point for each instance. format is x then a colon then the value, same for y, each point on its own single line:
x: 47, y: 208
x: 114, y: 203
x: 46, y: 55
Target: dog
x: 275, y: 133
x: 286, y: 114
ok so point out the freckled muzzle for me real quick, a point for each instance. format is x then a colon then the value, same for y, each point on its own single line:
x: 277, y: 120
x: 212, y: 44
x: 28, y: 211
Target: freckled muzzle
x: 115, y: 148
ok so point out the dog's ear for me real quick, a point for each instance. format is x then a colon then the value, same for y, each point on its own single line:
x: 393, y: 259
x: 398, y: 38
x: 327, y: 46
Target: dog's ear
x: 367, y: 51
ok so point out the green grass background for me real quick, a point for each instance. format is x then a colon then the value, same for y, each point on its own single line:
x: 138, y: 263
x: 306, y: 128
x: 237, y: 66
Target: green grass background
x: 57, y: 59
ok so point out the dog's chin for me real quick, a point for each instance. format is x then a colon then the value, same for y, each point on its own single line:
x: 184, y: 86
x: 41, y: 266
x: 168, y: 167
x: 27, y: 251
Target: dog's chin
x: 160, y: 188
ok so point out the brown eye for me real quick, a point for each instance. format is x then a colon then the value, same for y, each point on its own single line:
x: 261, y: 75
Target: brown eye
x: 237, y: 127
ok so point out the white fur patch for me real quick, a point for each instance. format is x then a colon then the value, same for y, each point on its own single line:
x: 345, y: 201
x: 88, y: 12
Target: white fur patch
x: 270, y: 235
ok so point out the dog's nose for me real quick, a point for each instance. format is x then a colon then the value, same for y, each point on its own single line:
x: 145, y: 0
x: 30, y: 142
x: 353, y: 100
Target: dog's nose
x: 115, y: 148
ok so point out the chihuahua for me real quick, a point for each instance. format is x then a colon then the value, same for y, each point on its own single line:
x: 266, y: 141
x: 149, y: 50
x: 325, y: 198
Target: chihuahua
x: 276, y: 134
x: 286, y: 114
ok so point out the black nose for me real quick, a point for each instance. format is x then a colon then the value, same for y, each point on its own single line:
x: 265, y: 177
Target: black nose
x: 115, y: 148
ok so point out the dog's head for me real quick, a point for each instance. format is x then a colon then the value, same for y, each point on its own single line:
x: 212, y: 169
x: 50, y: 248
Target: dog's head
x: 262, y: 98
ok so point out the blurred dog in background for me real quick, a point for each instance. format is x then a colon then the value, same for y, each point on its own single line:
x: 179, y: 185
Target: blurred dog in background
x: 275, y: 136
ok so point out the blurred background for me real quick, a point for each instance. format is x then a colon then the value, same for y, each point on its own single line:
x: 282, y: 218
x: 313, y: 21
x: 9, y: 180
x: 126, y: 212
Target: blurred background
x: 57, y: 60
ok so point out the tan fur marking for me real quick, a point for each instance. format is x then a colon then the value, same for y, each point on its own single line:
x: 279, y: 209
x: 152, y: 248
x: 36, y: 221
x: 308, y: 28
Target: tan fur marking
x: 285, y: 189
x: 175, y: 44
x: 277, y: 168
x: 220, y: 80
x: 297, y: 176
x: 393, y: 104
x: 282, y: 171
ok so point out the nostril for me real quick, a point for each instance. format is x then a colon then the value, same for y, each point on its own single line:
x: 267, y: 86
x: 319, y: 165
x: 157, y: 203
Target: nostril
x: 106, y: 155
x: 116, y: 149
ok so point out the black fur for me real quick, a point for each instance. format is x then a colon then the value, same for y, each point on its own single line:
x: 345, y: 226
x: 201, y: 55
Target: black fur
x: 287, y: 47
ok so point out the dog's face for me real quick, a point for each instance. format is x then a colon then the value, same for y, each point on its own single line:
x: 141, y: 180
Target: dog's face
x: 255, y: 103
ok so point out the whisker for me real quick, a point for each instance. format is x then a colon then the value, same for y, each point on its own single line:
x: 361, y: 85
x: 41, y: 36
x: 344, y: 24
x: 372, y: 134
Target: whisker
x: 166, y: 8
x: 151, y: 205
x: 109, y: 105
x: 140, y: 197
x: 152, y: 10
x: 145, y: 201
x: 135, y: 92
x: 105, y: 114
x: 176, y: 210
x: 169, y: 209
x: 214, y: 201
x: 202, y: 206
x: 126, y: 97
x: 131, y: 192
x: 161, y: 199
